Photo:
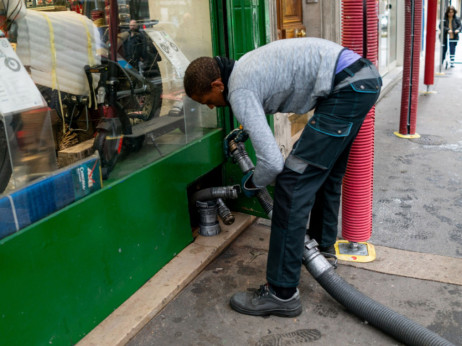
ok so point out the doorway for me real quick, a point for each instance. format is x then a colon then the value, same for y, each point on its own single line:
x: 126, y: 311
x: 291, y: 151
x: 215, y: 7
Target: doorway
x: 388, y: 10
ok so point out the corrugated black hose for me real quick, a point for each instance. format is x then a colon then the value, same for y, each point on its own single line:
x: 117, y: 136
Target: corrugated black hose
x: 387, y: 320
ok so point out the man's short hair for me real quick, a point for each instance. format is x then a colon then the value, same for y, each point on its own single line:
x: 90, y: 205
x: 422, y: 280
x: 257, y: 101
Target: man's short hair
x: 199, y: 76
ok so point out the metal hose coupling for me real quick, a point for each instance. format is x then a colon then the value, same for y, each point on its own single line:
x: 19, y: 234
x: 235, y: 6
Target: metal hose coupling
x: 240, y: 156
x: 225, y: 192
x: 224, y: 212
x: 266, y: 201
x: 313, y: 260
x: 210, y: 205
x: 209, y: 225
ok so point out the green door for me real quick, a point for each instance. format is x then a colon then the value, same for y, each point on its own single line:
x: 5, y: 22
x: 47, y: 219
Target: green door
x: 246, y: 26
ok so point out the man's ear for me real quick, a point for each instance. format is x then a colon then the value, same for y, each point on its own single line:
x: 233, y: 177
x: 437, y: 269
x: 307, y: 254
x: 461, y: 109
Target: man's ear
x: 218, y: 83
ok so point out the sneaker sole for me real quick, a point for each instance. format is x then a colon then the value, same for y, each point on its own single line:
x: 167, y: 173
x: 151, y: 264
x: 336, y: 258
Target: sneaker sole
x: 281, y: 313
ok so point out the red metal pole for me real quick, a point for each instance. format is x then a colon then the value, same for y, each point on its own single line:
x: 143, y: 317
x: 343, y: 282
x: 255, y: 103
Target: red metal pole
x: 429, y: 75
x: 411, y: 65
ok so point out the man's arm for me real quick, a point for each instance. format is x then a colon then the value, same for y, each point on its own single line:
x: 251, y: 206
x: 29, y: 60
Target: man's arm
x: 248, y: 110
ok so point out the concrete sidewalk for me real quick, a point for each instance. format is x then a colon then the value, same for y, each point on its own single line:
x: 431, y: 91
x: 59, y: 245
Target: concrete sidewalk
x: 200, y: 314
x: 417, y: 234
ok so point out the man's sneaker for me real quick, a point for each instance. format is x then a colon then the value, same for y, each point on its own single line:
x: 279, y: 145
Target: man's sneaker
x: 263, y: 302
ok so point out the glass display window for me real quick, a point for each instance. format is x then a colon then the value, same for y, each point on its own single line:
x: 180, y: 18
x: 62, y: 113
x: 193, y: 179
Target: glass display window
x: 121, y: 89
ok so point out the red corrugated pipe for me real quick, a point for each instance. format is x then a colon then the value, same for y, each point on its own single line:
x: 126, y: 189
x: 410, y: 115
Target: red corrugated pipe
x: 411, y: 65
x: 360, y: 33
x: 429, y: 76
x: 352, y: 25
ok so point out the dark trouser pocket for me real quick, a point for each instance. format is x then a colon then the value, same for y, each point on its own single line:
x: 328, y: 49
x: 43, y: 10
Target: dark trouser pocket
x: 322, y: 140
x: 336, y: 122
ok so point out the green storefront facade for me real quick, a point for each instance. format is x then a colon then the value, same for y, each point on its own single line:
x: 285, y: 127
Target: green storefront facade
x: 64, y: 274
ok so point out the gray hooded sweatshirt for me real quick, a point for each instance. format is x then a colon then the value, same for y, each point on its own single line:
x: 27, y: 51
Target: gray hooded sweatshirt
x: 287, y: 76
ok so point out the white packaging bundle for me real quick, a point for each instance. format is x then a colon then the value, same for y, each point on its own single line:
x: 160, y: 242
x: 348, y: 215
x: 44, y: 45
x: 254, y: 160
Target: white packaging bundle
x: 57, y: 46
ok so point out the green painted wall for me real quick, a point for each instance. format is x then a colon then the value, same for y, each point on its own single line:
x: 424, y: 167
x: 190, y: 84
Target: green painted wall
x: 63, y: 275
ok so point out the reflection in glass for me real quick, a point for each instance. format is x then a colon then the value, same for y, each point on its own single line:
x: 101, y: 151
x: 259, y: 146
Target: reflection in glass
x: 68, y: 56
x: 28, y: 140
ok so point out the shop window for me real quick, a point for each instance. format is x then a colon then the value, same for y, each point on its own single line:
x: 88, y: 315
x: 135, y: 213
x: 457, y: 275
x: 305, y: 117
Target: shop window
x: 65, y: 46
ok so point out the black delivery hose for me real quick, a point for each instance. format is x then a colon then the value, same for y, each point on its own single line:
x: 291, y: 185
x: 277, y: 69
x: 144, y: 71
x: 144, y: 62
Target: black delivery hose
x: 387, y: 320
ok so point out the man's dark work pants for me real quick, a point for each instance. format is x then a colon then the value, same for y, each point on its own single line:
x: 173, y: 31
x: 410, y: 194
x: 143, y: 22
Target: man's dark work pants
x: 312, y: 177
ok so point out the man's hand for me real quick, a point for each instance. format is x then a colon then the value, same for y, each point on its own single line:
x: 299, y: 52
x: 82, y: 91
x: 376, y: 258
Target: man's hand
x: 248, y: 187
x: 238, y: 135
